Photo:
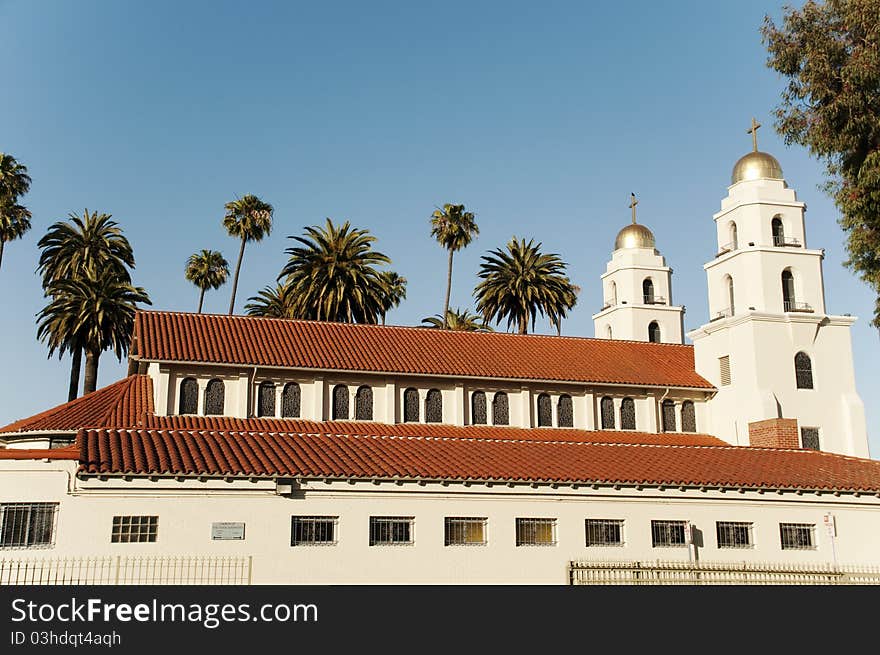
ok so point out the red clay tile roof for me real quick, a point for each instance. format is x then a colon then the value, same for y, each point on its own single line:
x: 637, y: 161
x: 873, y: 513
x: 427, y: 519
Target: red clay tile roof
x: 219, y: 453
x: 121, y: 404
x: 240, y: 340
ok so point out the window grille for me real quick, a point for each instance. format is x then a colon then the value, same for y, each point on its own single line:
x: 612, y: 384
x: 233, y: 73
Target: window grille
x: 648, y: 291
x: 545, y: 411
x: 434, y: 406
x: 500, y: 409
x: 627, y: 414
x: 604, y: 532
x: 810, y: 438
x: 27, y: 525
x: 733, y: 535
x: 688, y: 417
x: 340, y: 402
x: 536, y: 532
x: 668, y: 533
x: 461, y: 531
x: 803, y: 371
x: 411, y: 405
x: 797, y: 536
x: 313, y: 530
x: 724, y: 370
x: 668, y: 416
x: 653, y: 332
x: 363, y: 404
x: 788, y: 299
x: 778, y: 232
x: 189, y: 396
x: 134, y: 529
x: 391, y: 530
x: 478, y: 408
x: 607, y: 407
x: 214, y: 397
x: 267, y: 399
x: 565, y: 411
x: 290, y: 400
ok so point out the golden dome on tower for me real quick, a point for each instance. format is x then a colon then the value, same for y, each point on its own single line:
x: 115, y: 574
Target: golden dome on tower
x: 756, y: 166
x: 634, y: 236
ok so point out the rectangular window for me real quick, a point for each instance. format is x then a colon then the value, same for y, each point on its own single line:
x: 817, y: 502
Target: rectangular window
x: 734, y: 535
x: 391, y: 530
x: 810, y: 438
x: 27, y: 525
x: 724, y: 370
x: 461, y: 531
x: 668, y: 534
x: 313, y: 530
x: 536, y: 532
x: 604, y: 532
x: 797, y: 536
x: 134, y: 529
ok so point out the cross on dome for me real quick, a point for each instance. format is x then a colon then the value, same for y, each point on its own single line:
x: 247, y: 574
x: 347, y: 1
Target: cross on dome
x: 754, y: 132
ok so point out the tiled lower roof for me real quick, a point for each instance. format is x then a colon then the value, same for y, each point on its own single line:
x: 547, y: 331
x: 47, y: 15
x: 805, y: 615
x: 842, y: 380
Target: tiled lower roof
x: 176, y: 452
x: 68, y: 452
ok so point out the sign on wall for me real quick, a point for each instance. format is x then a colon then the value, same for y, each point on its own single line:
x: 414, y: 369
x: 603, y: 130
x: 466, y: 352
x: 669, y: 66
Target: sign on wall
x: 227, y: 531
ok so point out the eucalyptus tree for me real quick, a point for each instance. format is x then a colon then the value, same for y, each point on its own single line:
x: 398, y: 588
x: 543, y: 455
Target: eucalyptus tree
x: 247, y: 219
x: 207, y: 269
x: 454, y: 228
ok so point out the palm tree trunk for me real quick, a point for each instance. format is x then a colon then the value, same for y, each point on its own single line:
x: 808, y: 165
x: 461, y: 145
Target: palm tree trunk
x: 448, y: 291
x: 90, y: 382
x: 1, y: 251
x: 235, y: 279
x: 75, y: 366
x: 201, y: 299
x: 523, y: 324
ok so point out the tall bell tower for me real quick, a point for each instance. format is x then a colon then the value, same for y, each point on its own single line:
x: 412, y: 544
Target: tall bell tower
x: 769, y: 346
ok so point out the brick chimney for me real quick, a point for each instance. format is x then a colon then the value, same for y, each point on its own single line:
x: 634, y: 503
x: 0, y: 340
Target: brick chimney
x: 774, y: 433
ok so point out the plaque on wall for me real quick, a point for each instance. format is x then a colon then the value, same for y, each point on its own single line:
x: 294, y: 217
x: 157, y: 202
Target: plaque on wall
x: 227, y: 531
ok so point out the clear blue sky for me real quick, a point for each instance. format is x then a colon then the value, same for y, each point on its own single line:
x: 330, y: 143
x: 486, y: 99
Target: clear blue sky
x: 540, y: 117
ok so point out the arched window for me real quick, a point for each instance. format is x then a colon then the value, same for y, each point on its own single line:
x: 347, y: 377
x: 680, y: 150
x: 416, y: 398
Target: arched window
x: 411, y: 405
x: 731, y: 305
x: 290, y: 400
x: 688, y: 417
x: 654, y: 332
x: 545, y: 411
x: 478, y: 408
x: 777, y: 231
x: 648, y: 291
x: 500, y: 409
x: 434, y: 406
x: 363, y: 404
x: 189, y: 396
x: 565, y: 411
x: 627, y: 414
x: 266, y: 404
x: 613, y: 299
x: 607, y: 407
x: 788, y: 302
x: 734, y: 241
x: 668, y: 416
x: 214, y: 397
x: 609, y: 333
x: 803, y: 371
x: 340, y: 402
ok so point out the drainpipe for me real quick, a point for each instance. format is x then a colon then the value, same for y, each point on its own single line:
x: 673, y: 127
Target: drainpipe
x: 248, y: 413
x: 659, y: 409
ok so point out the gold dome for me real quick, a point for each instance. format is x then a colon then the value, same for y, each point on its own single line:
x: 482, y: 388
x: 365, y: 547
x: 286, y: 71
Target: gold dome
x: 634, y: 236
x: 755, y: 166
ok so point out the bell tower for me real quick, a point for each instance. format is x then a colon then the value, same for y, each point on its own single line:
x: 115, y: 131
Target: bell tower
x: 769, y: 345
x: 637, y: 290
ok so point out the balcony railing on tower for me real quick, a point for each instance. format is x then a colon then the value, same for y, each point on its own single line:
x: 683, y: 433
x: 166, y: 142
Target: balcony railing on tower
x: 785, y: 242
x: 795, y: 306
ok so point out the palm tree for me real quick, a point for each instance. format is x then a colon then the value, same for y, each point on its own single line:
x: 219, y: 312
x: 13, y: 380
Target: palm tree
x: 207, y: 270
x: 564, y: 302
x: 249, y: 219
x: 332, y: 275
x: 458, y: 319
x: 521, y: 282
x: 271, y: 303
x: 395, y: 291
x: 98, y: 311
x: 454, y: 228
x: 14, y: 218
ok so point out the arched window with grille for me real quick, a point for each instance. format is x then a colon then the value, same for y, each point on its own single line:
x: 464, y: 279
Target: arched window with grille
x: 189, y: 396
x: 778, y: 231
x: 434, y: 406
x: 788, y: 297
x: 654, y: 332
x: 565, y: 411
x: 688, y: 417
x: 363, y: 404
x: 803, y: 371
x: 613, y: 299
x: 478, y: 408
x: 290, y: 400
x: 607, y: 410
x: 266, y: 400
x: 668, y: 416
x: 734, y: 240
x: 627, y: 414
x: 545, y: 411
x: 731, y: 305
x: 411, y: 405
x: 648, y: 291
x: 214, y: 397
x: 500, y: 409
x: 340, y: 402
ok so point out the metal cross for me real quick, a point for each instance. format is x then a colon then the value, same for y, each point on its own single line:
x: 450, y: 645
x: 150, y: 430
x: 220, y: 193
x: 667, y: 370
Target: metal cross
x: 754, y: 132
x: 632, y: 205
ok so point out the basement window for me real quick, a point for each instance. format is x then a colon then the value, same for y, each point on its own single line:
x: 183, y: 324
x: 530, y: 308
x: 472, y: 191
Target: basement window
x: 668, y: 534
x: 313, y: 530
x: 536, y: 532
x: 391, y: 530
x: 604, y: 532
x: 134, y: 529
x: 462, y: 531
x: 733, y: 534
x: 27, y: 525
x: 797, y: 536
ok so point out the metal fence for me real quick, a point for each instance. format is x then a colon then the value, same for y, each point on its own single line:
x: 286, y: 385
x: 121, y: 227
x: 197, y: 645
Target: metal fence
x: 129, y: 570
x: 718, y: 573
